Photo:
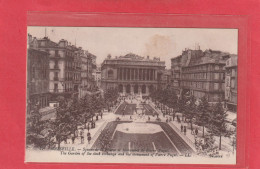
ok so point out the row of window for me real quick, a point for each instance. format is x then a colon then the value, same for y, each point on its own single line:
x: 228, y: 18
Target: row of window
x: 204, y: 85
x: 203, y: 67
x: 216, y: 76
x: 39, y: 73
x: 70, y: 65
x: 71, y: 76
x: 38, y: 87
x: 233, y: 72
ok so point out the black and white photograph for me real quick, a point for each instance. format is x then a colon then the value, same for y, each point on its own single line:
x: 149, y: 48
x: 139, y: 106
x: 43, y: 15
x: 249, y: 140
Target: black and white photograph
x: 131, y: 95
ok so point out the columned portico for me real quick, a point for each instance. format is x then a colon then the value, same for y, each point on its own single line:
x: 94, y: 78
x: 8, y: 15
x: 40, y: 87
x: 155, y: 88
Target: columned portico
x: 132, y: 89
x: 131, y: 73
x: 139, y: 90
x: 124, y: 89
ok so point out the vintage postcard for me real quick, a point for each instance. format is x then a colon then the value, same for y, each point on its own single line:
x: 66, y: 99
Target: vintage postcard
x: 131, y: 95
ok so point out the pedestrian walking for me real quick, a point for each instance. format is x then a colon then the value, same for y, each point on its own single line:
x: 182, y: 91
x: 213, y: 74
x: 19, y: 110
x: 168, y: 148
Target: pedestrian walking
x: 181, y: 128
x: 88, y: 127
x: 184, y: 130
x: 72, y: 138
x: 82, y: 137
x: 196, y: 131
x: 89, y: 138
x: 76, y: 133
x: 192, y: 132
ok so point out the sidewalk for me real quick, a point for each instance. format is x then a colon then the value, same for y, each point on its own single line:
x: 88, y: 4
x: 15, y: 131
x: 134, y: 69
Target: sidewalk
x: 226, y: 143
x: 100, y: 125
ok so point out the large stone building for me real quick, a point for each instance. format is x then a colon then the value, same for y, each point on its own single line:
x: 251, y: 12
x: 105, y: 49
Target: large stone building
x: 176, y: 74
x: 200, y: 73
x: 97, y: 76
x: 132, y: 74
x: 37, y: 76
x: 87, y: 80
x: 64, y: 67
x: 231, y: 83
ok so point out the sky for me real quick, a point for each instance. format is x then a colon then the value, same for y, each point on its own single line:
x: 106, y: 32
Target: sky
x: 165, y: 43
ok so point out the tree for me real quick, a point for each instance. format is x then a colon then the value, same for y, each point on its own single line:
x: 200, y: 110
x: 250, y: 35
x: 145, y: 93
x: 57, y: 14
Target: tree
x: 63, y: 124
x: 191, y: 110
x: 203, y: 114
x: 172, y: 99
x: 111, y: 96
x: 182, y: 101
x: 38, y: 132
x: 218, y: 122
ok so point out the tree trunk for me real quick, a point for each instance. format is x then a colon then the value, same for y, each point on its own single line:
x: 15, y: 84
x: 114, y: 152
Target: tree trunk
x: 220, y: 142
x: 203, y: 131
x: 58, y: 141
x: 191, y: 127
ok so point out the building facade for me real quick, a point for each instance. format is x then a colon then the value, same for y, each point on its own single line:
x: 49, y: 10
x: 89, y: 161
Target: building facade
x: 64, y: 67
x: 37, y: 76
x: 204, y: 80
x: 200, y: 73
x: 132, y: 74
x: 97, y: 76
x: 86, y: 73
x: 231, y: 83
x: 176, y: 74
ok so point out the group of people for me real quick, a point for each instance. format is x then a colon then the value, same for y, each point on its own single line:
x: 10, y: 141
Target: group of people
x: 184, y: 130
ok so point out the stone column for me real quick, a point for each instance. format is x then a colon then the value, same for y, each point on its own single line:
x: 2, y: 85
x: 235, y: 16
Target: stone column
x: 144, y: 74
x: 117, y: 73
x: 124, y: 89
x: 139, y: 89
x: 147, y: 90
x: 151, y: 74
x: 132, y: 89
x: 138, y: 75
x: 123, y: 72
x: 130, y: 73
x: 141, y: 74
x: 148, y: 74
x: 134, y: 74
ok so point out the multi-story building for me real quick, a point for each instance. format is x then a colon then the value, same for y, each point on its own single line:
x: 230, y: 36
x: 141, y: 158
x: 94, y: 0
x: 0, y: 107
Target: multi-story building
x: 132, y: 74
x: 37, y: 75
x: 77, y: 70
x: 97, y: 76
x: 91, y: 68
x: 64, y: 67
x: 176, y: 74
x: 201, y: 73
x: 86, y: 73
x: 93, y: 59
x: 166, y: 78
x: 231, y: 83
